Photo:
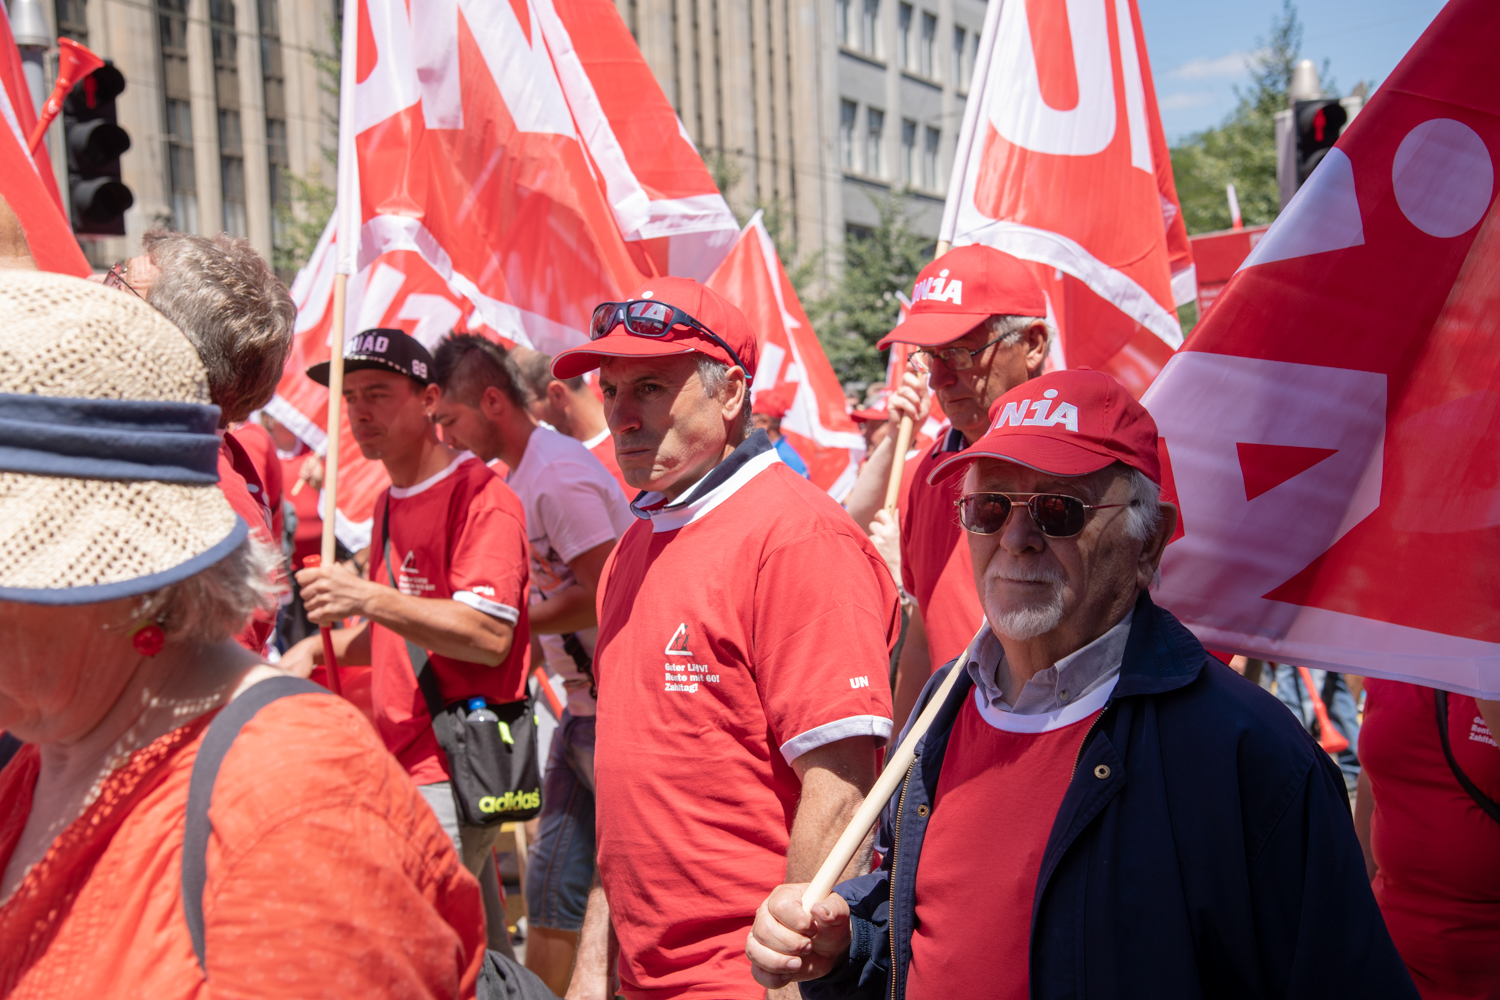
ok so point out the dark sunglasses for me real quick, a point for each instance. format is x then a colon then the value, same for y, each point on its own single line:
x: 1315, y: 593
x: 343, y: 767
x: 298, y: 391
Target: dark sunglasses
x: 1055, y: 514
x: 650, y: 318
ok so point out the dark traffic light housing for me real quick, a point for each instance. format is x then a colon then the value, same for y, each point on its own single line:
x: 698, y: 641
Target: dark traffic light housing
x: 1318, y: 125
x: 94, y: 142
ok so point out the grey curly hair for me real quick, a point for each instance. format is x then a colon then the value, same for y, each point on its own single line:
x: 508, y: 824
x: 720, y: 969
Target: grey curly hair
x: 215, y: 604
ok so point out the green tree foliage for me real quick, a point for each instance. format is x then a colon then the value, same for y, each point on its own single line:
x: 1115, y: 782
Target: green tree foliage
x: 1242, y: 150
x: 300, y: 220
x: 862, y: 307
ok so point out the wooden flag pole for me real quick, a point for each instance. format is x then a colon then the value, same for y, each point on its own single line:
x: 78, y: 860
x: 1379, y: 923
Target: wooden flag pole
x: 903, y: 437
x: 331, y: 462
x: 885, y: 786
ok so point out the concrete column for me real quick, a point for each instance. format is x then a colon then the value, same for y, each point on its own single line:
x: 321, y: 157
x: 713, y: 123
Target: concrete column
x: 205, y: 119
x: 253, y: 128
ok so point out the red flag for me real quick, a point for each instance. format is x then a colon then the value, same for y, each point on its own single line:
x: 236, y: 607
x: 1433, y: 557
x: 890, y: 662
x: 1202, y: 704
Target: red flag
x: 817, y: 423
x: 1332, y: 429
x: 26, y: 182
x: 1062, y: 161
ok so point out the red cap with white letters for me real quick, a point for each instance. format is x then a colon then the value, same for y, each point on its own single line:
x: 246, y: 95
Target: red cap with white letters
x: 963, y: 288
x: 1065, y: 424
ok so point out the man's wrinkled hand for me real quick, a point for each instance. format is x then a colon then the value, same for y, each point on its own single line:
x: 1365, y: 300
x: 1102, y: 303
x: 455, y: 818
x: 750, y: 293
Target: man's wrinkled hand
x: 911, y: 399
x: 332, y: 593
x: 787, y: 944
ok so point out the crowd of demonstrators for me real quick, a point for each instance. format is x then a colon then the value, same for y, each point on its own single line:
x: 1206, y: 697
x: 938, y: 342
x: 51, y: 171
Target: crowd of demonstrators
x: 573, y: 406
x: 575, y: 513
x: 1428, y: 816
x: 981, y: 333
x: 744, y: 628
x: 766, y: 413
x: 1169, y: 830
x: 448, y: 581
x: 126, y: 573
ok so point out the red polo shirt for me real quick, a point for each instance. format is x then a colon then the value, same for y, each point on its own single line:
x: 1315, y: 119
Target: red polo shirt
x: 241, y: 486
x: 460, y: 535
x: 935, y: 566
x: 738, y: 629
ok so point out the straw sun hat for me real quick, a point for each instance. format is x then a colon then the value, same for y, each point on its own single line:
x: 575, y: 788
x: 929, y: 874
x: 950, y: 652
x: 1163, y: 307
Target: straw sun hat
x: 108, y: 452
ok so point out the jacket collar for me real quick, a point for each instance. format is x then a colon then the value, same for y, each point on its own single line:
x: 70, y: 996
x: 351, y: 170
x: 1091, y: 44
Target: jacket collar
x: 754, y: 455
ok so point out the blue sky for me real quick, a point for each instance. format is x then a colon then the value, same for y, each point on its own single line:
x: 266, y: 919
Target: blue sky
x: 1198, y: 47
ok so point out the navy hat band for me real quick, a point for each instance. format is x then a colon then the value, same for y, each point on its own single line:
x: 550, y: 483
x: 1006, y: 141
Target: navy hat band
x: 126, y: 439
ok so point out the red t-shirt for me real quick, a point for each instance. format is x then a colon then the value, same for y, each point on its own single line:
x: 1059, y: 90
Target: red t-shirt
x: 974, y: 890
x: 236, y: 477
x: 460, y: 535
x: 736, y: 632
x: 307, y: 538
x: 1439, y: 854
x: 935, y: 566
x: 603, y: 448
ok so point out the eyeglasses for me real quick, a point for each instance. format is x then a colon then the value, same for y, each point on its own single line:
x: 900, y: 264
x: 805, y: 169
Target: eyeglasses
x: 955, y: 359
x: 650, y: 318
x: 1056, y: 514
x: 115, y: 278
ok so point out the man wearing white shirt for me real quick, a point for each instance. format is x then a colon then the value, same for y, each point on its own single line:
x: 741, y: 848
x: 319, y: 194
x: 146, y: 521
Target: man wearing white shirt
x: 575, y: 512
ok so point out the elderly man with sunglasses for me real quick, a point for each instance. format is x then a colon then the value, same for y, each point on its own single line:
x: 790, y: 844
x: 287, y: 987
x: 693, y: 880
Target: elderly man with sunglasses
x: 977, y: 316
x: 745, y: 625
x: 1099, y: 809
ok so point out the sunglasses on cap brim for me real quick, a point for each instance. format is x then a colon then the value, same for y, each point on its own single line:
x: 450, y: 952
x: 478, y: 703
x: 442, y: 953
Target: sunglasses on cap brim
x: 650, y: 318
x: 1056, y: 515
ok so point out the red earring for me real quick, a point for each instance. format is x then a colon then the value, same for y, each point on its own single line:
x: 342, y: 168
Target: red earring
x: 148, y: 639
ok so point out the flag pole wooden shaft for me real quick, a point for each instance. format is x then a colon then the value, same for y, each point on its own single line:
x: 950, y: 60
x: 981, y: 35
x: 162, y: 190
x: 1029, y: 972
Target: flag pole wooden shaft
x: 904, y: 435
x: 331, y: 461
x: 885, y: 786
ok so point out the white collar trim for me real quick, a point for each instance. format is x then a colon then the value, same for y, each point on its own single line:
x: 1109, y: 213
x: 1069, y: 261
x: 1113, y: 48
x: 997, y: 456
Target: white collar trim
x: 402, y: 492
x: 671, y: 518
x: 597, y: 439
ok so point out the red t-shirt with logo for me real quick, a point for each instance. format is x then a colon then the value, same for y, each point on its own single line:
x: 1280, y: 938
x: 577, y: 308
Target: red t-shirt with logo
x: 603, y: 448
x: 460, y: 535
x: 736, y: 632
x: 935, y: 565
x: 975, y: 891
x: 241, y: 486
x: 1438, y: 852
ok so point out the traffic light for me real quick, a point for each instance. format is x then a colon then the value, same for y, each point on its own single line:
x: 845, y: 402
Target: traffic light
x: 1318, y: 124
x: 95, y: 142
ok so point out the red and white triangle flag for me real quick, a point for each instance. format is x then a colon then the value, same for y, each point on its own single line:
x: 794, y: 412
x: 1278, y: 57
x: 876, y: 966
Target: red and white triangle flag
x: 506, y: 167
x: 816, y: 424
x: 1062, y: 161
x: 1331, y: 431
x: 26, y: 182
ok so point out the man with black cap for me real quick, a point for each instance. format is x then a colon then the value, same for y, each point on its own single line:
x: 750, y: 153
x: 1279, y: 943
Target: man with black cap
x: 745, y: 626
x: 978, y: 321
x: 451, y: 579
x: 1100, y: 809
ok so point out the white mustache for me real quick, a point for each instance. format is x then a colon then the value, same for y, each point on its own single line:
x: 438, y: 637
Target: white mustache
x: 1033, y: 577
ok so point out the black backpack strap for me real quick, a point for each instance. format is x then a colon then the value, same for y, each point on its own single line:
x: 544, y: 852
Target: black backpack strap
x: 196, y: 828
x: 420, y: 661
x: 9, y: 747
x: 1480, y: 799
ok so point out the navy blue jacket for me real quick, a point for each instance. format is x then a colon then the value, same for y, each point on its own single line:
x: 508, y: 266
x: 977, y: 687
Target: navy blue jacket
x: 1204, y: 848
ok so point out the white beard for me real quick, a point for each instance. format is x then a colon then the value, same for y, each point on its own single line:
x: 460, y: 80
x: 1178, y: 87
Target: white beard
x: 1032, y: 620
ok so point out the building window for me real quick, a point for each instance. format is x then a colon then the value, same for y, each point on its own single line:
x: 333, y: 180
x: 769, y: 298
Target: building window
x: 903, y: 36
x: 925, y: 53
x: 73, y: 20
x: 848, y: 112
x: 221, y: 23
x: 960, y: 50
x: 171, y: 20
x: 273, y: 82
x: 930, y: 159
x: 869, y: 28
x: 874, y: 134
x: 908, y: 152
x: 841, y: 21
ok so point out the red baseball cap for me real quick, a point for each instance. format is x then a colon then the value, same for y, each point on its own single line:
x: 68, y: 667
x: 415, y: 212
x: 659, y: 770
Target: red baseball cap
x: 1065, y: 424
x: 963, y: 288
x: 774, y: 402
x: 874, y: 414
x: 700, y: 302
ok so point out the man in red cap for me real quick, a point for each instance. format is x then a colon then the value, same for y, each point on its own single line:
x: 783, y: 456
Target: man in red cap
x: 1100, y: 808
x: 745, y: 625
x: 766, y: 413
x: 978, y: 317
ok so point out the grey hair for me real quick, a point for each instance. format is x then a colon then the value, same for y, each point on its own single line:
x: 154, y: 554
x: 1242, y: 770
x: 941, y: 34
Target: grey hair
x: 1008, y: 329
x: 224, y: 296
x: 535, y: 369
x: 1143, y: 515
x: 714, y: 377
x: 214, y: 604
